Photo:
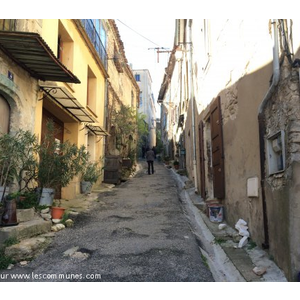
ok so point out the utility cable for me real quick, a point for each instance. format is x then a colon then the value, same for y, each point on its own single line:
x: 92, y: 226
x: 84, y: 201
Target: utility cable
x: 138, y: 33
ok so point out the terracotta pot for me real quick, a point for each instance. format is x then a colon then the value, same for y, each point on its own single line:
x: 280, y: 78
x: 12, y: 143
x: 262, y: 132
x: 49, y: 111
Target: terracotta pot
x: 57, y: 212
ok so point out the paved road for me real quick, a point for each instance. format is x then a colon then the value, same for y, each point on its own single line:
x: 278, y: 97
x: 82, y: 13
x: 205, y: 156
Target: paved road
x: 137, y: 232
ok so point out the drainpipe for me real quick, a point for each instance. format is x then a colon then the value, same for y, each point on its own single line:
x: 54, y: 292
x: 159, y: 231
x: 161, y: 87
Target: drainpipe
x: 262, y: 127
x: 192, y: 97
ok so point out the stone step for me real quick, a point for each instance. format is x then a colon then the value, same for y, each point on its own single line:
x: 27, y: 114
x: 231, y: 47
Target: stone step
x: 25, y: 229
x: 27, y: 249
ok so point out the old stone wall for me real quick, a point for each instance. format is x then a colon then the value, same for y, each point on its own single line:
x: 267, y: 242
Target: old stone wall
x: 122, y: 87
x: 282, y: 188
x: 21, y: 93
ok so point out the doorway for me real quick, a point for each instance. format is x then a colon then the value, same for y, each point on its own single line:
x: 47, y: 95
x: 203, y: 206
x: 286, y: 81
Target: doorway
x: 59, y: 136
x: 4, y: 116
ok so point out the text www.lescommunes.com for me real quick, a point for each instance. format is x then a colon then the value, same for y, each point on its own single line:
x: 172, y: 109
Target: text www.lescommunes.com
x: 36, y: 276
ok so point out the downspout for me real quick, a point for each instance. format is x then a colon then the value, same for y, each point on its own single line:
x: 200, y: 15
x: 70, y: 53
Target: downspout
x: 105, y: 117
x: 192, y: 97
x: 262, y: 128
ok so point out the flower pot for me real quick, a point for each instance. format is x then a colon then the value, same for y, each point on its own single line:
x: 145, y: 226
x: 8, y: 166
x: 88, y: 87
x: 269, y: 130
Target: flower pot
x: 47, y: 196
x: 57, y: 212
x: 86, y: 187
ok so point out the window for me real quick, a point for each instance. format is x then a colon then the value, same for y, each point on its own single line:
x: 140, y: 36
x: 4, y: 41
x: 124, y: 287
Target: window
x: 91, y: 90
x: 91, y: 142
x: 117, y: 60
x: 65, y: 47
x: 132, y: 99
x: 206, y: 44
x: 7, y: 24
x: 137, y: 77
x: 276, y: 152
x: 141, y: 99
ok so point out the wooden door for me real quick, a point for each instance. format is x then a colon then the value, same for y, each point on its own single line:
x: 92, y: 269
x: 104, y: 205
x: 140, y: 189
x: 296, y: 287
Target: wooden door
x: 217, y: 149
x: 4, y: 116
x: 202, y: 160
x: 59, y: 135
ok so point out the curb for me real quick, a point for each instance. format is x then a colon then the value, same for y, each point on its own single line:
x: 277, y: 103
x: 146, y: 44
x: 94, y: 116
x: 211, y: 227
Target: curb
x: 226, y: 263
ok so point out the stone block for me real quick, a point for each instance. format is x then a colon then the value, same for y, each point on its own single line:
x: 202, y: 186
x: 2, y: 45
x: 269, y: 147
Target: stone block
x: 295, y: 126
x: 24, y: 215
x: 25, y: 230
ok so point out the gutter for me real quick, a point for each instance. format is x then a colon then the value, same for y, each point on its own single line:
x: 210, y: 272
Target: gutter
x: 262, y: 128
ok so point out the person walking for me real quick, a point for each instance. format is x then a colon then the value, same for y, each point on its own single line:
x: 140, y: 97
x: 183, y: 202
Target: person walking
x: 150, y: 156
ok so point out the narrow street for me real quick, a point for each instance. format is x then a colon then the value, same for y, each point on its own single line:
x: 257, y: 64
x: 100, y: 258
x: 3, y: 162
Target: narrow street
x: 138, y: 232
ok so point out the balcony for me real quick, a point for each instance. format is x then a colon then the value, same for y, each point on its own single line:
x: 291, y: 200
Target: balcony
x: 95, y: 39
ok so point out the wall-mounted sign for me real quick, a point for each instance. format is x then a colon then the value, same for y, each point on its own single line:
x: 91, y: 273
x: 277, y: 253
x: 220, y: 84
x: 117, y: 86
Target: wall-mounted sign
x: 10, y: 76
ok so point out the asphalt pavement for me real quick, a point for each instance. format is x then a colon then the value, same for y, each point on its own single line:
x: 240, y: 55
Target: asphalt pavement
x: 138, y: 231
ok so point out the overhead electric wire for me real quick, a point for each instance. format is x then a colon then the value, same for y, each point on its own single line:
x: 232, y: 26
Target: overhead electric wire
x: 138, y: 33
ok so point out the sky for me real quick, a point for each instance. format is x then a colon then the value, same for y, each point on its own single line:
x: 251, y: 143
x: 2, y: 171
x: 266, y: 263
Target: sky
x: 140, y: 37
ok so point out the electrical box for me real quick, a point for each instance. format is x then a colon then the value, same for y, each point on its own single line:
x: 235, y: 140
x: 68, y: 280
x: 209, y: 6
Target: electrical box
x: 276, y: 152
x: 252, y: 187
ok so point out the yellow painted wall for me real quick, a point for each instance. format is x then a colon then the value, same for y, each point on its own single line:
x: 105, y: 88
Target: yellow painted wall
x: 82, y: 59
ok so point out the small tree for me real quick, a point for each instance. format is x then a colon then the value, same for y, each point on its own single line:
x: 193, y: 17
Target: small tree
x: 125, y: 122
x: 27, y: 172
x: 143, y: 131
x: 91, y: 172
x: 159, y: 143
x: 18, y: 159
x: 59, y: 162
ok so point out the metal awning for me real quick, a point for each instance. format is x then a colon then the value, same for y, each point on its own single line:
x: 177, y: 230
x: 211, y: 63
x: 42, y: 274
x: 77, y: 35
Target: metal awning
x: 67, y: 101
x: 97, y: 130
x: 31, y: 52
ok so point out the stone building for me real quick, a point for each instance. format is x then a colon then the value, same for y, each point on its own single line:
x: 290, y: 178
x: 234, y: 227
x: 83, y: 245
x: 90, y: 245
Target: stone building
x: 237, y: 125
x: 146, y: 103
x: 122, y: 90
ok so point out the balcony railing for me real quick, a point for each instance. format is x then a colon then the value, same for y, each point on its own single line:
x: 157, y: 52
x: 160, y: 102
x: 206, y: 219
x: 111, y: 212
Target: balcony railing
x: 95, y: 39
x: 8, y: 24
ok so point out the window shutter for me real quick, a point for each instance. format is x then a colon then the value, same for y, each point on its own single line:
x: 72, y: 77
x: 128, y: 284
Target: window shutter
x: 217, y: 149
x: 202, y: 167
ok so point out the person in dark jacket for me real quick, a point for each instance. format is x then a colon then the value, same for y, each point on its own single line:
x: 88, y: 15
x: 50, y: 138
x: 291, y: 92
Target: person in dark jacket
x: 150, y: 156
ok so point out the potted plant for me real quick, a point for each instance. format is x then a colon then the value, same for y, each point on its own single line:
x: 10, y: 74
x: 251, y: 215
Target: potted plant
x: 17, y: 160
x: 27, y: 199
x: 58, y: 164
x: 167, y: 160
x: 176, y: 164
x: 90, y: 175
x: 57, y: 211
